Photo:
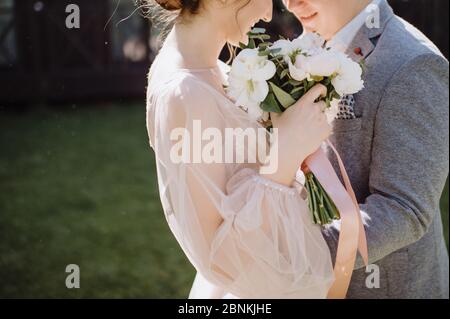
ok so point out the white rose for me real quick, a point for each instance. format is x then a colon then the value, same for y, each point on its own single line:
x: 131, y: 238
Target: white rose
x: 348, y: 79
x: 248, y: 78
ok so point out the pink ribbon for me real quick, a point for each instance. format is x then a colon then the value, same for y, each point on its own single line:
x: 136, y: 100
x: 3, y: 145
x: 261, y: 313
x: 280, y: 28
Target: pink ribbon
x: 352, y: 235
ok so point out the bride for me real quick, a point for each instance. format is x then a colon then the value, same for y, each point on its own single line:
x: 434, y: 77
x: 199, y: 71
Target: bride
x: 248, y: 234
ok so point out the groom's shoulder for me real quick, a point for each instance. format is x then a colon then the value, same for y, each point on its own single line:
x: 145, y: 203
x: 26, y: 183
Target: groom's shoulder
x: 407, y: 42
x: 402, y: 51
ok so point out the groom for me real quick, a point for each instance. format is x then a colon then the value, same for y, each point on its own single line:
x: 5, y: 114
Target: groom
x: 393, y: 138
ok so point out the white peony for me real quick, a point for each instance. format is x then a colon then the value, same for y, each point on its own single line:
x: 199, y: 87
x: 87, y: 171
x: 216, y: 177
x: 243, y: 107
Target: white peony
x: 325, y: 63
x: 298, y: 70
x: 348, y: 79
x: 286, y: 48
x: 308, y: 42
x: 248, y: 78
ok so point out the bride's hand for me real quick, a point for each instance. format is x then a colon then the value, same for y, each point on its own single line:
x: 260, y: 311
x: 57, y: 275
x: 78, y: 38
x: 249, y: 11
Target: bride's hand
x: 304, y: 125
x: 301, y: 130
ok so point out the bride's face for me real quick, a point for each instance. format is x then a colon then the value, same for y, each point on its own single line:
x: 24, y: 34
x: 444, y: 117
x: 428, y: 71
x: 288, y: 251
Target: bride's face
x: 240, y: 16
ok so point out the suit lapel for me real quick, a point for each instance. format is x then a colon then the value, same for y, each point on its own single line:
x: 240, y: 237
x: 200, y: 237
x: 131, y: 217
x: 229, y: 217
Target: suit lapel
x: 365, y: 40
x: 361, y: 46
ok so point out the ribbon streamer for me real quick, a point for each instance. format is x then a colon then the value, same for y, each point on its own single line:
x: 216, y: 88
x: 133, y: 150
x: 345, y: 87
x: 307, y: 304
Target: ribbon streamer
x: 352, y: 235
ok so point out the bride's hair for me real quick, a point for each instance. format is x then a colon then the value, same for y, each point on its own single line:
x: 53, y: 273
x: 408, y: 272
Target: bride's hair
x: 179, y: 5
x: 170, y: 8
x: 163, y: 13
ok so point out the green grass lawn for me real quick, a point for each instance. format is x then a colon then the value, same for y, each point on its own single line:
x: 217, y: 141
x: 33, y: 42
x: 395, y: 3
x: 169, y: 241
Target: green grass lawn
x: 78, y: 186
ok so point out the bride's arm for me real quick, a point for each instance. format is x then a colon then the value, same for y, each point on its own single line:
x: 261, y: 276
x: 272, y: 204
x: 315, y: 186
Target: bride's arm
x: 245, y: 233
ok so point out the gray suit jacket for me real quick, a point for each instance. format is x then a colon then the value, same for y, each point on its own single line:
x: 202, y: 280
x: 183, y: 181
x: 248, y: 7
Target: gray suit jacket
x: 397, y: 156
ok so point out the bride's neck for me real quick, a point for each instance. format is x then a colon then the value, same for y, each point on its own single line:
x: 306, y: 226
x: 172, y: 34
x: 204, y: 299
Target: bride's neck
x: 198, y: 41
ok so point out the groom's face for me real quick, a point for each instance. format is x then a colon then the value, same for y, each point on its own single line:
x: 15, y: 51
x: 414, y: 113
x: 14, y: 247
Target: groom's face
x: 321, y: 16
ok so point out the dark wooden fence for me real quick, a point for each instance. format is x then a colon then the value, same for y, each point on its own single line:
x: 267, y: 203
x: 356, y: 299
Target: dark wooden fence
x: 41, y: 60
x: 430, y: 16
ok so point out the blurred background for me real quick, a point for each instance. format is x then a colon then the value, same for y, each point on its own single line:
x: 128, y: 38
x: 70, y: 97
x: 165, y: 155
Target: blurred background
x: 77, y: 176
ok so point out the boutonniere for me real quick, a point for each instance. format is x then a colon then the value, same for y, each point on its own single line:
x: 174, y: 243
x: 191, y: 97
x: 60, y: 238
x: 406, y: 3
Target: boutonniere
x: 358, y: 51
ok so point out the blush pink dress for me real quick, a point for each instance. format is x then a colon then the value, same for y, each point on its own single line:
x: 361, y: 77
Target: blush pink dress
x: 266, y: 245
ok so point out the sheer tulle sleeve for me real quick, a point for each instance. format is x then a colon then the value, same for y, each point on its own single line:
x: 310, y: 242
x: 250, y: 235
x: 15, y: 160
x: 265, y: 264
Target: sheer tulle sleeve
x: 242, y: 232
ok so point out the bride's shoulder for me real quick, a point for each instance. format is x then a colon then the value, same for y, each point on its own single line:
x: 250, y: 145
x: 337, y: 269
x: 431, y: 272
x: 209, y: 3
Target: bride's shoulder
x: 183, y: 91
x: 183, y: 86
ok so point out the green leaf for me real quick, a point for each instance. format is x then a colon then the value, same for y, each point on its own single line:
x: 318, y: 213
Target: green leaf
x: 270, y: 104
x: 242, y: 45
x: 278, y: 58
x: 310, y: 85
x: 264, y: 53
x: 294, y: 82
x: 251, y: 44
x: 286, y: 84
x: 260, y: 37
x: 282, y: 96
x: 275, y: 51
x: 258, y: 30
x: 327, y: 81
x: 335, y: 95
x: 284, y: 73
x: 297, y: 95
x: 297, y: 89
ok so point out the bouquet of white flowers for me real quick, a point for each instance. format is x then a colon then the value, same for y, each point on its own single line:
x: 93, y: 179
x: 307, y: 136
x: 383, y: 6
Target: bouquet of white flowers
x: 270, y: 77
